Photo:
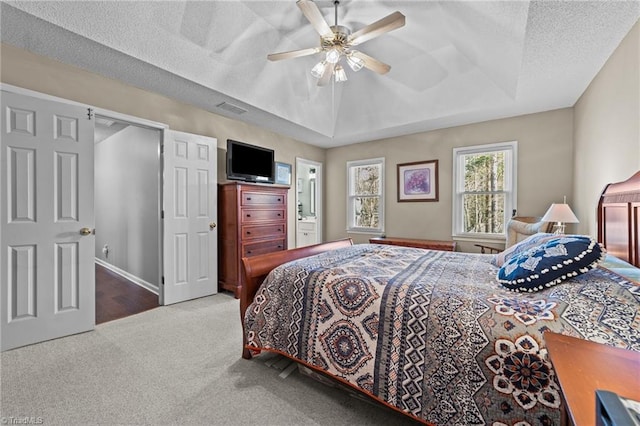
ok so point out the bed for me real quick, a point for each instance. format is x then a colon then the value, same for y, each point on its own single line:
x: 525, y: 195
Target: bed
x: 433, y: 334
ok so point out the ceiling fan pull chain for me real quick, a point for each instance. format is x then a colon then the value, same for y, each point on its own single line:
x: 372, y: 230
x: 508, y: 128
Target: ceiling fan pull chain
x: 335, y: 6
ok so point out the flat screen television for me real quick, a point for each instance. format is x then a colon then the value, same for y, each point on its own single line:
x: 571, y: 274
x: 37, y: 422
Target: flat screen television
x: 249, y: 162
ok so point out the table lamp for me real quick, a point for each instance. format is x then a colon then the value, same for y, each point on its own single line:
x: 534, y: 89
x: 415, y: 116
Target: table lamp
x: 561, y: 214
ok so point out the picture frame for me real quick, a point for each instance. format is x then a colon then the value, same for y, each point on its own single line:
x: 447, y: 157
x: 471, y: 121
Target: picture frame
x: 283, y: 173
x: 418, y: 181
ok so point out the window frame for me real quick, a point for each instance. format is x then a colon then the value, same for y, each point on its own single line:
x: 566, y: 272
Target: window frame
x: 351, y: 198
x: 510, y: 150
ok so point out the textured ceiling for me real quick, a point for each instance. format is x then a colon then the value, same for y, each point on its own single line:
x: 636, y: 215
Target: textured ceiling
x: 453, y: 62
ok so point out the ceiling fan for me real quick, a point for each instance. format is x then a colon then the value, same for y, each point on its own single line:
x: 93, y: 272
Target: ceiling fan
x: 337, y: 42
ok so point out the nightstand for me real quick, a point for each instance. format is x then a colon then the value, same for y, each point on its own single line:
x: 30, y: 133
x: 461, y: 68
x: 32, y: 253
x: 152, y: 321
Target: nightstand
x: 582, y: 367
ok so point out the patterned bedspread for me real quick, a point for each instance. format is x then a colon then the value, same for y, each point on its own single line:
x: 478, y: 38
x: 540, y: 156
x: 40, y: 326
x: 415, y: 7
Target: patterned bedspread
x: 433, y: 334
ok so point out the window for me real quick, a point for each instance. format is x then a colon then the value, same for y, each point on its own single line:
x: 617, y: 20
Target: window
x: 484, y: 189
x: 365, y: 196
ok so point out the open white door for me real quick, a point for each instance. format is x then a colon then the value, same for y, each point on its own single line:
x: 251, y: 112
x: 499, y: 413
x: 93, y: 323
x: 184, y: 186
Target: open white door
x: 190, y: 259
x: 47, y: 218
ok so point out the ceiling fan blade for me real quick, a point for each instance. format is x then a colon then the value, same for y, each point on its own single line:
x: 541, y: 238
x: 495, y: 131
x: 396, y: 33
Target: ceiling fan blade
x: 372, y: 63
x: 326, y: 74
x: 293, y: 54
x: 312, y: 13
x: 384, y: 25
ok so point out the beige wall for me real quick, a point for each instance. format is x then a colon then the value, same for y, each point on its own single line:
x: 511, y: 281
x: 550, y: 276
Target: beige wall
x: 572, y: 152
x: 24, y: 69
x: 602, y: 130
x: 545, y: 171
x: 607, y: 129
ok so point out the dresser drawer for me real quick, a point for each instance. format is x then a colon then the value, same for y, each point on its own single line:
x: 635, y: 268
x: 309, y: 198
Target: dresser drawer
x: 252, y: 220
x: 251, y: 215
x: 250, y: 198
x: 262, y: 247
x: 262, y: 231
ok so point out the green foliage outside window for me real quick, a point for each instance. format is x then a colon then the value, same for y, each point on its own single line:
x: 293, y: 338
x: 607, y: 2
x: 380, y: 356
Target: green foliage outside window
x: 484, y: 198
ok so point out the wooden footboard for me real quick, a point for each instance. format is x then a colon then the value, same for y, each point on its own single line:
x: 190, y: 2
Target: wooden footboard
x: 257, y: 268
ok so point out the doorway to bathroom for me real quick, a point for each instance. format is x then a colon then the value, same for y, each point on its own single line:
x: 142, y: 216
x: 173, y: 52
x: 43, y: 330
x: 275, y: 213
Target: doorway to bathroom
x: 309, y: 216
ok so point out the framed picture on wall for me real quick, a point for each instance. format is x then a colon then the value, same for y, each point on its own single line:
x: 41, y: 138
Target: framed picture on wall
x: 418, y: 181
x: 283, y: 173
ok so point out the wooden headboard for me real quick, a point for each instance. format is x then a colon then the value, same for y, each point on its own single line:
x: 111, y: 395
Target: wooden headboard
x: 619, y: 219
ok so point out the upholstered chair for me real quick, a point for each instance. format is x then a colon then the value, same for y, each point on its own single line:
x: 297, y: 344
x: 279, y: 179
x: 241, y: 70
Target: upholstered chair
x: 519, y: 228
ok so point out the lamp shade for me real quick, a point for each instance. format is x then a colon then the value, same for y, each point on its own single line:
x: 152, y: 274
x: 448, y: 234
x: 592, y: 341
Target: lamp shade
x: 333, y: 56
x: 339, y: 75
x: 355, y: 63
x: 318, y: 70
x: 560, y: 212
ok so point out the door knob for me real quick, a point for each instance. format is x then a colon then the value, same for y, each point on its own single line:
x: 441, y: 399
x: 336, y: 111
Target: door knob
x: 212, y: 225
x: 85, y: 231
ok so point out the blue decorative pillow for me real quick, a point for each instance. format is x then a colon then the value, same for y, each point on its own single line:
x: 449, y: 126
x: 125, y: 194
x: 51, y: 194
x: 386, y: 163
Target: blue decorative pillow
x: 520, y: 247
x: 550, y: 263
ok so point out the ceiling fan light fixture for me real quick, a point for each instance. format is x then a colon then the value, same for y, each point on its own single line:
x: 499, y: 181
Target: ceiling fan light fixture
x: 333, y: 56
x: 339, y: 75
x: 318, y: 69
x: 355, y: 63
x: 336, y: 42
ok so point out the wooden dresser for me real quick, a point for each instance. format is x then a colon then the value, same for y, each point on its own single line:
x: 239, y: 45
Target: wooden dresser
x: 252, y: 220
x: 414, y: 242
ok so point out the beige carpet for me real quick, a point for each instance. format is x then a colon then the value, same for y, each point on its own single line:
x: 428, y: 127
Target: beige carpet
x: 177, y: 364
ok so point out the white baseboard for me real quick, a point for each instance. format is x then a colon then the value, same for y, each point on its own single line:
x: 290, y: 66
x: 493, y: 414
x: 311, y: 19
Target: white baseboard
x: 139, y: 281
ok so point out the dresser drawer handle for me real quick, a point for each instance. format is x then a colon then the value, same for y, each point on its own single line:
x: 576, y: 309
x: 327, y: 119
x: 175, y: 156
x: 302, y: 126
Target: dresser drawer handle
x: 280, y: 246
x: 248, y: 251
x: 248, y: 215
x: 248, y: 232
x: 279, y: 199
x: 279, y: 230
x: 279, y: 214
x: 248, y: 198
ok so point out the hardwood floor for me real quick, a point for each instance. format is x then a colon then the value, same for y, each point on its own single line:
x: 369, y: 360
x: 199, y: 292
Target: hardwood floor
x: 117, y: 297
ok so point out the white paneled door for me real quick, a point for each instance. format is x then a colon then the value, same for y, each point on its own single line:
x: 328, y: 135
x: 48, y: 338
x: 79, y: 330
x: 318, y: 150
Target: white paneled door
x: 47, y: 274
x: 190, y: 215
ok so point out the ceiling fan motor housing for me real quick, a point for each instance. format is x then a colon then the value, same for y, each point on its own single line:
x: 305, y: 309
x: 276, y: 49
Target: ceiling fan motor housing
x: 339, y: 38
